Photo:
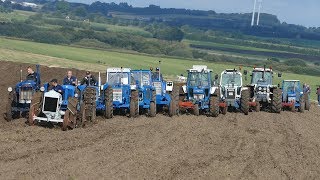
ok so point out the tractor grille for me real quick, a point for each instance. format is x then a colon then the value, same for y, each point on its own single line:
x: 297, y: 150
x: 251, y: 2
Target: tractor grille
x: 50, y: 104
x: 231, y: 94
x: 25, y: 95
x: 158, y: 87
x: 117, y: 95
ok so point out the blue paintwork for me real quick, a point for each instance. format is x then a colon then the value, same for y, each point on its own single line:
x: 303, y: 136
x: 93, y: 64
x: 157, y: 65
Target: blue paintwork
x: 199, y: 88
x: 164, y: 98
x: 292, y: 93
x: 26, y: 85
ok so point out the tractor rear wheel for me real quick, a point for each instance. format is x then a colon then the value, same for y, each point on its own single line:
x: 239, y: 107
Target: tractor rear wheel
x: 66, y: 121
x: 224, y: 110
x: 153, y: 110
x: 244, y: 101
x: 307, y: 101
x: 89, y: 100
x: 276, y: 103
x: 196, y: 110
x: 9, y: 115
x: 293, y: 108
x: 175, y: 98
x: 214, y: 105
x: 134, y: 104
x: 302, y: 104
x: 108, y: 95
x: 35, y: 107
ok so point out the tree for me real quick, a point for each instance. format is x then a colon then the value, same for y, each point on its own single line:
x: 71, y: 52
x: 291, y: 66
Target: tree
x: 63, y: 6
x: 295, y: 62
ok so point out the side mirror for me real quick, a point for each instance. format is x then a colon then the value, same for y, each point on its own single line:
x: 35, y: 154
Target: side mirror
x: 216, y: 76
x: 279, y: 74
x: 245, y: 72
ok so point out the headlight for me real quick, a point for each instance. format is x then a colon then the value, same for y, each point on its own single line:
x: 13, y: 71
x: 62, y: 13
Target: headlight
x: 259, y: 88
x: 42, y: 89
x: 264, y: 89
x: 76, y: 95
x: 10, y: 89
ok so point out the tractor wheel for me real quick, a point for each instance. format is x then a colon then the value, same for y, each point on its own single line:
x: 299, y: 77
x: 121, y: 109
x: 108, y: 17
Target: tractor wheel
x: 196, y: 110
x: 9, y: 115
x: 276, y: 103
x: 307, y: 102
x: 66, y: 121
x: 108, y: 113
x: 214, y: 104
x: 83, y: 119
x: 89, y: 101
x: 257, y: 107
x: 153, y: 110
x: 172, y: 109
x: 174, y: 103
x: 224, y: 110
x: 244, y: 101
x: 293, y: 108
x: 302, y: 104
x: 134, y: 104
x: 35, y: 107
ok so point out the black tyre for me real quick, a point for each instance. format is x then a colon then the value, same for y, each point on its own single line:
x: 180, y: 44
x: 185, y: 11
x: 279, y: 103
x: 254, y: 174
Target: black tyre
x: 214, y: 104
x: 196, y: 110
x: 35, y: 107
x: 66, y: 120
x: 224, y: 110
x: 174, y: 104
x: 307, y: 102
x: 302, y: 104
x: 244, y: 101
x: 276, y: 102
x: 134, y: 104
x: 153, y: 109
x: 257, y: 107
x: 108, y: 95
x: 89, y: 102
x: 9, y: 115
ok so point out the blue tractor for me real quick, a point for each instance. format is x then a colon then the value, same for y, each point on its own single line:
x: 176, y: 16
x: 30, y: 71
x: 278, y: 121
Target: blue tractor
x: 146, y: 91
x: 125, y: 94
x: 167, y: 95
x: 20, y: 96
x: 293, y: 97
x: 92, y: 99
x: 200, y: 94
x: 49, y: 106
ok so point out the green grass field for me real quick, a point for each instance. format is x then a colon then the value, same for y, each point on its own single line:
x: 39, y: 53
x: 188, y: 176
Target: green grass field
x: 73, y: 57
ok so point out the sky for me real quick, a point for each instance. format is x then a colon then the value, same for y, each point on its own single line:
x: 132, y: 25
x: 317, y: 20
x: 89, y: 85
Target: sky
x: 301, y: 12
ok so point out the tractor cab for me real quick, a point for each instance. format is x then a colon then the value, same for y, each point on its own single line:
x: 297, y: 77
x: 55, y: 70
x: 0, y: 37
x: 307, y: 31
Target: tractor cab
x: 231, y: 84
x: 198, y: 83
x: 261, y: 81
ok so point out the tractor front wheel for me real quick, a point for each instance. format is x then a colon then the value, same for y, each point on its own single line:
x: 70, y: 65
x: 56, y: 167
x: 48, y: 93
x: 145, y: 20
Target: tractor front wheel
x: 307, y: 101
x: 153, y: 110
x: 134, y: 104
x: 196, y: 110
x: 244, y: 102
x: 214, y: 106
x: 302, y: 104
x: 276, y: 103
x: 9, y: 115
x: 257, y: 107
x: 108, y: 113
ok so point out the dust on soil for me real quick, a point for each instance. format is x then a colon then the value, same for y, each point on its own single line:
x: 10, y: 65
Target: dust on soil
x: 233, y: 146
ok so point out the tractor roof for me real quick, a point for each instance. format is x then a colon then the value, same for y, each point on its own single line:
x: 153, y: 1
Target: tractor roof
x: 262, y: 69
x: 141, y: 70
x: 199, y: 68
x: 117, y: 70
x: 291, y: 80
x: 230, y: 71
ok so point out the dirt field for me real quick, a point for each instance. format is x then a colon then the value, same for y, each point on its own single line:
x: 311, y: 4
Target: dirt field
x: 234, y: 146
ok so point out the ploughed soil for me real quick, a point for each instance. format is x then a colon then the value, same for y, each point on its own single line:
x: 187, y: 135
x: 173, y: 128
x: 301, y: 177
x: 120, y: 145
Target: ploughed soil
x: 233, y: 146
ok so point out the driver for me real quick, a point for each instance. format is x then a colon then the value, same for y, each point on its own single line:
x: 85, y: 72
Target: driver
x: 31, y: 74
x: 55, y: 86
x: 89, y: 79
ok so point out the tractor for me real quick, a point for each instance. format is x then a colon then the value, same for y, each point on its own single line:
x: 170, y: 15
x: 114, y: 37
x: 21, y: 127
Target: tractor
x: 94, y: 98
x: 124, y: 90
x: 52, y: 107
x: 233, y: 95
x: 293, y: 97
x: 200, y: 94
x: 20, y: 96
x: 262, y: 93
x: 167, y: 94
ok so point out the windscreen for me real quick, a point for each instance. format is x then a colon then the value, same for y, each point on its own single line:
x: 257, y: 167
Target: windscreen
x: 291, y: 86
x: 231, y: 80
x: 143, y: 77
x: 118, y: 78
x: 258, y: 76
x: 198, y: 78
